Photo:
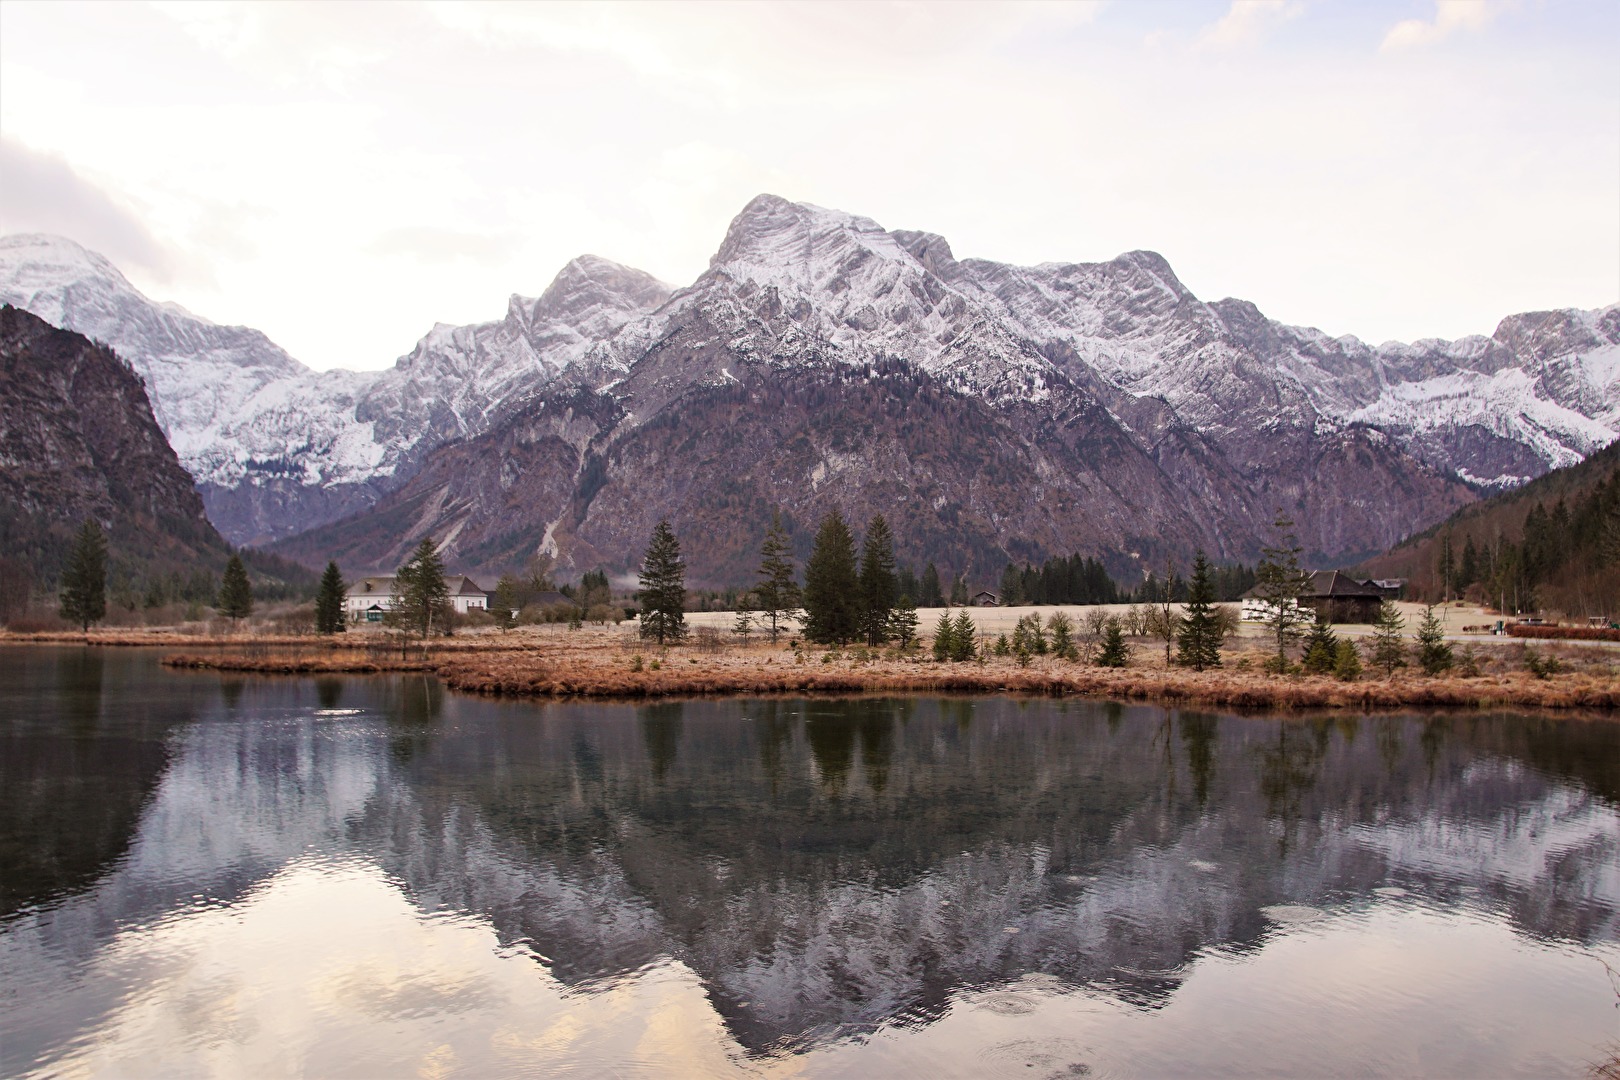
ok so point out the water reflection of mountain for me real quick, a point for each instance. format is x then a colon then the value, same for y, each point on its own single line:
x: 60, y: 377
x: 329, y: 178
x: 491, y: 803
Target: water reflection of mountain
x: 828, y: 866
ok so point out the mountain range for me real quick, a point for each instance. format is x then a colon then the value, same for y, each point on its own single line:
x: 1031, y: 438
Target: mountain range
x: 992, y: 412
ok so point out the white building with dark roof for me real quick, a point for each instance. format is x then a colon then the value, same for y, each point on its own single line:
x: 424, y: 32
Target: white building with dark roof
x: 370, y: 598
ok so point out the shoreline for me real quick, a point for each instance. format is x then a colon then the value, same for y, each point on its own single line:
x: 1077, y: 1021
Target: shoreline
x: 535, y: 674
x: 610, y: 663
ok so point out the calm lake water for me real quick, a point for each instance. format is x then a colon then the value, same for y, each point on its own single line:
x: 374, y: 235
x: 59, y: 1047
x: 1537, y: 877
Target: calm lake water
x: 205, y: 875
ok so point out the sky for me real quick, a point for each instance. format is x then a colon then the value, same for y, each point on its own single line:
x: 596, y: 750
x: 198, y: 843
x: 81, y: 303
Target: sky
x: 343, y: 176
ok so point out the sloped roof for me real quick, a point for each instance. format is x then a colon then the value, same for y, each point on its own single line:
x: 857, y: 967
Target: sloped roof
x: 1326, y: 583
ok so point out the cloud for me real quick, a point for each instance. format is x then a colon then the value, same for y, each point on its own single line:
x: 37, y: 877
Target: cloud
x: 431, y: 245
x: 1247, y: 22
x: 41, y: 192
x: 1449, y: 16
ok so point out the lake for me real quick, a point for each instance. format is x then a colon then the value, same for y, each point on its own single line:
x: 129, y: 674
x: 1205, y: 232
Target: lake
x: 370, y: 876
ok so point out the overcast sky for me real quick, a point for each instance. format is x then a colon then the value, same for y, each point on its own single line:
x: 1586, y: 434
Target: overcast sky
x: 342, y: 177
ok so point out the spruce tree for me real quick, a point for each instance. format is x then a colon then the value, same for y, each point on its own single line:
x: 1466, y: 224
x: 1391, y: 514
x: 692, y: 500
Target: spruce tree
x: 1199, y: 644
x: 1346, y: 664
x: 1468, y: 572
x: 878, y: 589
x: 832, y: 593
x: 421, y: 592
x: 1434, y: 653
x: 1388, y: 650
x: 777, y: 593
x: 964, y: 644
x: 1279, y: 582
x: 1321, y: 649
x: 663, y: 588
x: 903, y: 623
x: 329, y: 598
x: 504, y: 604
x: 1114, y: 652
x: 84, y: 577
x: 1062, y: 630
x: 944, y: 639
x: 931, y: 596
x: 235, y: 591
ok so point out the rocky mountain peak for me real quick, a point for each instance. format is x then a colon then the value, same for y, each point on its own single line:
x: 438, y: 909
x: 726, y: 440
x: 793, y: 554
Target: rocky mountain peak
x: 43, y: 261
x: 593, y: 290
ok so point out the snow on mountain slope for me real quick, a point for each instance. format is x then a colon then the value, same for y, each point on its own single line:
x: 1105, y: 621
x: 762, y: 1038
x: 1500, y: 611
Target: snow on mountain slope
x: 277, y: 447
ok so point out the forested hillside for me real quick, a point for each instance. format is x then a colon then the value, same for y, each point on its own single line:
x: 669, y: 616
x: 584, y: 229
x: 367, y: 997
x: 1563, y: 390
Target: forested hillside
x: 1552, y: 545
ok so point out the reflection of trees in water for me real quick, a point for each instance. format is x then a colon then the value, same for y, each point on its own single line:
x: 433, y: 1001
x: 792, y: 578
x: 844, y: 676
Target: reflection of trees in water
x: 1288, y: 769
x: 661, y: 735
x: 1198, y: 732
x: 230, y: 690
x: 877, y: 742
x: 412, y: 704
x: 830, y: 731
x: 72, y: 792
x: 329, y: 692
x: 79, y: 675
x: 773, y: 732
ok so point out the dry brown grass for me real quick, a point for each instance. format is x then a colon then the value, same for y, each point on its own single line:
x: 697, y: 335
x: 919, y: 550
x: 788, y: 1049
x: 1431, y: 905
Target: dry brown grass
x: 602, y: 662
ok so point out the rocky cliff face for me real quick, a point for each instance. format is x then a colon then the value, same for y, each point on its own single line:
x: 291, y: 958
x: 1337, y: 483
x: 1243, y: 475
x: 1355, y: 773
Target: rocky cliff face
x: 993, y: 411
x: 276, y: 447
x: 79, y: 440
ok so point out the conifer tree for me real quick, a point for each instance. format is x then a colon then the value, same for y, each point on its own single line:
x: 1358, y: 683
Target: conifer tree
x: 1468, y: 572
x: 421, y: 593
x: 235, y: 591
x: 329, y: 617
x: 964, y: 645
x: 878, y: 590
x: 777, y: 593
x: 504, y: 604
x: 1061, y: 628
x: 931, y: 596
x: 1321, y: 649
x: 1279, y: 582
x: 1114, y: 652
x: 944, y: 639
x: 663, y: 588
x: 903, y: 623
x: 1346, y: 664
x: 84, y: 577
x: 1199, y: 641
x: 1388, y: 650
x: 832, y: 594
x: 1446, y: 566
x: 1434, y: 652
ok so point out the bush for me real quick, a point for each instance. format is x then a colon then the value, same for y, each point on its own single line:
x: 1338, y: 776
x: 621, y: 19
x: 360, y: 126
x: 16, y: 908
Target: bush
x: 1542, y: 667
x: 1346, y: 662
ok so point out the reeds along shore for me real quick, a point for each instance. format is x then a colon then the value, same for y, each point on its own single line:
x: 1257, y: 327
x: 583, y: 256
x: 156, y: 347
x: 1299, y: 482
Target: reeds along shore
x: 607, y: 665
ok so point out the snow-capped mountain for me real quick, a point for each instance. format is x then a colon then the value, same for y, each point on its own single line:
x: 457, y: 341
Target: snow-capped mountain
x: 276, y: 447
x: 992, y: 411
x: 1090, y: 404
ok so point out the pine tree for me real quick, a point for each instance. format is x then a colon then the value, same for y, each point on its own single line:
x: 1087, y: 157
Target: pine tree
x: 931, y: 596
x: 1062, y: 630
x: 1321, y: 649
x: 1114, y: 652
x: 504, y: 604
x: 329, y: 599
x: 235, y: 591
x: 777, y: 593
x: 1446, y: 566
x: 743, y: 625
x: 1434, y: 653
x: 1346, y: 664
x: 663, y: 588
x: 1388, y: 650
x: 832, y: 593
x: 878, y: 590
x: 1468, y: 573
x: 1280, y: 582
x: 421, y: 592
x: 84, y: 577
x: 944, y: 638
x: 903, y: 623
x: 1200, y: 638
x: 964, y: 645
